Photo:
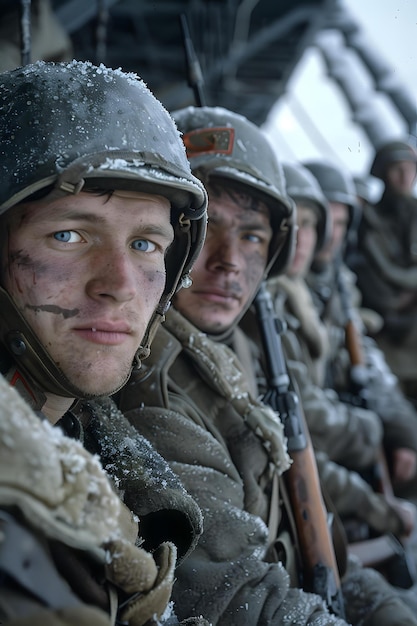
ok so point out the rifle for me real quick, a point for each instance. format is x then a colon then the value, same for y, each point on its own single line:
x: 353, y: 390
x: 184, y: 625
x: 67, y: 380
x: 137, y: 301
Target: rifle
x: 319, y: 568
x: 394, y: 559
x: 194, y: 74
x: 25, y: 34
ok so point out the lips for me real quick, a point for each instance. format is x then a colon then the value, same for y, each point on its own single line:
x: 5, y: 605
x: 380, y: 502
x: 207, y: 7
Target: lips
x: 106, y: 326
x: 227, y: 293
x: 104, y: 332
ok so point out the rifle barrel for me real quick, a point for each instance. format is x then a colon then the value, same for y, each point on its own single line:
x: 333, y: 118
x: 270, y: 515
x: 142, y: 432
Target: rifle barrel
x: 194, y: 74
x: 25, y: 32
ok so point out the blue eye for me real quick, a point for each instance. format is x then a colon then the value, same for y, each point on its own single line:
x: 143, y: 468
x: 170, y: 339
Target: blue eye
x: 66, y: 236
x: 143, y: 245
x: 253, y: 238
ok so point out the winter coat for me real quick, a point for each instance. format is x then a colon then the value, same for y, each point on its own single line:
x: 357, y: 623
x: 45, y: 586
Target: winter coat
x: 386, y: 268
x: 67, y: 539
x: 335, y: 429
x: 383, y: 394
x: 345, y: 437
x: 225, y: 446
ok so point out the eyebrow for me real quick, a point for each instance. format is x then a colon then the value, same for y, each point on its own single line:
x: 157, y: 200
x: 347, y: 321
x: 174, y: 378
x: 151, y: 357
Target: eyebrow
x: 71, y: 214
x: 249, y: 225
x: 99, y: 219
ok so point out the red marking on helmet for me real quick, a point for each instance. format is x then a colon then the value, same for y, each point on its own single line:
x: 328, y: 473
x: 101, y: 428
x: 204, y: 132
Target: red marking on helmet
x: 209, y: 141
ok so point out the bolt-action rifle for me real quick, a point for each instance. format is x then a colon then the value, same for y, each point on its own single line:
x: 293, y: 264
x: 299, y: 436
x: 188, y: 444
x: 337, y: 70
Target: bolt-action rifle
x: 194, y: 74
x: 319, y: 568
x: 386, y: 552
x: 25, y: 34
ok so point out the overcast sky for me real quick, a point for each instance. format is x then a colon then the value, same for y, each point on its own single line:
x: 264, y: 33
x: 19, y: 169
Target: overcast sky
x: 313, y: 119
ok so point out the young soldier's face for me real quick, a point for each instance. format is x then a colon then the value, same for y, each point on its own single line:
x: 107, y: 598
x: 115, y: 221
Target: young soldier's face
x: 231, y: 265
x: 87, y: 273
x: 339, y: 220
x: 306, y: 241
x: 400, y: 176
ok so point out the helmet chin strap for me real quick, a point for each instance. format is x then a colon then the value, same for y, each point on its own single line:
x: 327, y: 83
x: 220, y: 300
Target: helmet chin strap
x: 29, y: 354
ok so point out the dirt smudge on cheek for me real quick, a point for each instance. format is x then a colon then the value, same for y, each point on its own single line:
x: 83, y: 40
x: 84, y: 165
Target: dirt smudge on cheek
x: 20, y: 258
x: 153, y: 283
x: 255, y: 268
x: 53, y: 308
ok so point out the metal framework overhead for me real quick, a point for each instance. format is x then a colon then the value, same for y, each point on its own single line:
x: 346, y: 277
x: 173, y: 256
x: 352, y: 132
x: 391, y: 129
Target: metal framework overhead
x: 247, y: 51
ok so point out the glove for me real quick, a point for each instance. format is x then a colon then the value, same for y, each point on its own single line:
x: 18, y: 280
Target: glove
x: 148, y: 585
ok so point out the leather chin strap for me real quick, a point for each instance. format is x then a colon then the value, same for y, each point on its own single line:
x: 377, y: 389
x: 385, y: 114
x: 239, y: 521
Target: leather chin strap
x: 29, y: 355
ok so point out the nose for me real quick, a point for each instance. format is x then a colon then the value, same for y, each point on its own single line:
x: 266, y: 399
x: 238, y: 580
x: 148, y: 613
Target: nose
x: 225, y: 256
x: 113, y: 276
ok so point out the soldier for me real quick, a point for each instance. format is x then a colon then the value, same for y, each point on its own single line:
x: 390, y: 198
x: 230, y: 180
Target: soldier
x: 101, y: 220
x: 333, y: 286
x: 386, y: 260
x: 349, y: 436
x: 228, y: 447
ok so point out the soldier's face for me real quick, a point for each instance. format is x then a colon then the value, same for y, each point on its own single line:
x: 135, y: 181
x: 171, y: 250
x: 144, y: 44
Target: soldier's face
x: 339, y: 221
x: 231, y: 265
x: 306, y: 241
x: 401, y: 176
x: 87, y: 273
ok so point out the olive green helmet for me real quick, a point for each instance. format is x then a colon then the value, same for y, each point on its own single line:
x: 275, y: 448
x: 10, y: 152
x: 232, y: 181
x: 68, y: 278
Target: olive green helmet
x: 225, y: 145
x: 303, y: 187
x: 337, y: 185
x: 71, y: 126
x: 391, y: 153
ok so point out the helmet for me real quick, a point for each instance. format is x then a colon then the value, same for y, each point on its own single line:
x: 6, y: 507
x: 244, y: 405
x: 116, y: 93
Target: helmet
x: 303, y: 186
x: 69, y: 126
x: 337, y: 186
x: 390, y: 153
x: 224, y: 145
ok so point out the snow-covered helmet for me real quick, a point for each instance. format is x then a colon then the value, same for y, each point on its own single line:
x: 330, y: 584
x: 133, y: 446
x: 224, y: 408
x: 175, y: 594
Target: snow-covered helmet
x: 222, y: 144
x: 303, y: 187
x: 71, y: 126
x: 392, y: 152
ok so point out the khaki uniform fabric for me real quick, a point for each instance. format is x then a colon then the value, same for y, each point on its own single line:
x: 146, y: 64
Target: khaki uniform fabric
x: 383, y: 394
x: 214, y: 435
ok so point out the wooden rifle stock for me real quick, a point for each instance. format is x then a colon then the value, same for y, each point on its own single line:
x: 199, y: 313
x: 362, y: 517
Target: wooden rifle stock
x: 319, y: 568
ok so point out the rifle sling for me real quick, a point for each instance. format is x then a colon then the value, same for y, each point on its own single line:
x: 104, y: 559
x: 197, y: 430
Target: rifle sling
x: 273, y: 519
